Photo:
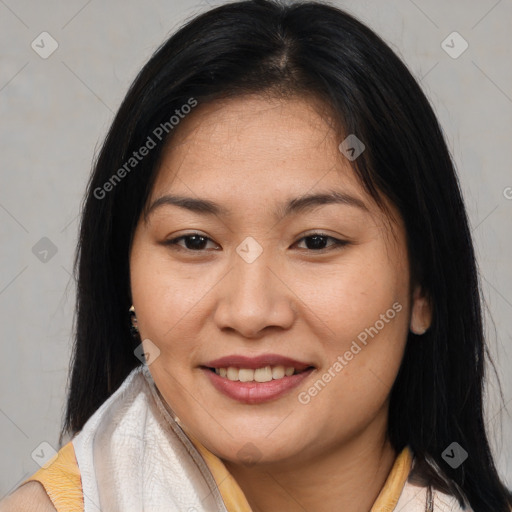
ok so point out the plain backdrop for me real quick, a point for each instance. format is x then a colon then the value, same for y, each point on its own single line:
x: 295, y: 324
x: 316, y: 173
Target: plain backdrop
x: 55, y: 111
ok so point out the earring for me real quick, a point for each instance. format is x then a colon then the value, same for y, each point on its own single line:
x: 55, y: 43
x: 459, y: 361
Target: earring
x: 134, y: 328
x: 419, y: 331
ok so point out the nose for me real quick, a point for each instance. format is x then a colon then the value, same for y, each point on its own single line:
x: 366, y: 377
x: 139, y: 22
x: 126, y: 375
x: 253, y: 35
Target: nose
x: 254, y: 297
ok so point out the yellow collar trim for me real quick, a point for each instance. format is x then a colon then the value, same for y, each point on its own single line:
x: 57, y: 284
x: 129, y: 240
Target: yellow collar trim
x: 232, y: 494
x: 390, y: 494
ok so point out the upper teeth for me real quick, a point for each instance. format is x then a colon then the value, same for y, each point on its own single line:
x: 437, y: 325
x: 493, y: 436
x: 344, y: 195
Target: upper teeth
x: 265, y: 374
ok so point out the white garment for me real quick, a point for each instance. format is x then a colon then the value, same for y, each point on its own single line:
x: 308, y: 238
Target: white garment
x: 414, y: 498
x: 133, y: 457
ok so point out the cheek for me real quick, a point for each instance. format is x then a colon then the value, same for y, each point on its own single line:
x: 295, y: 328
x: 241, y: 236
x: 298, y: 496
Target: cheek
x: 353, y: 386
x: 365, y: 305
x: 352, y: 295
x: 167, y: 296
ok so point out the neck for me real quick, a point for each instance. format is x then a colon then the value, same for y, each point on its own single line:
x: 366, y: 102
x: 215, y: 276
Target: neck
x: 348, y: 477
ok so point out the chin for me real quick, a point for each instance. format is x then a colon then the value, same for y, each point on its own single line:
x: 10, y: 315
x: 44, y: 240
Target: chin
x: 258, y: 450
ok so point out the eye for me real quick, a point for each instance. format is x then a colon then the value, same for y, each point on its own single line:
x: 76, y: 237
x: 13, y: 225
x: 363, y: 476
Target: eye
x: 192, y: 242
x: 196, y: 242
x: 317, y: 242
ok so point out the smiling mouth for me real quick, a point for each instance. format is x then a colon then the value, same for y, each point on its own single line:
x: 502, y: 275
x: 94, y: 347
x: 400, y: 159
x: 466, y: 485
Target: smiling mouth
x: 263, y: 374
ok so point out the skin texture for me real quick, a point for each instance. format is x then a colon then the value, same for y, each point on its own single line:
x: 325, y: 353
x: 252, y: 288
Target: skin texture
x: 251, y: 155
x: 30, y: 497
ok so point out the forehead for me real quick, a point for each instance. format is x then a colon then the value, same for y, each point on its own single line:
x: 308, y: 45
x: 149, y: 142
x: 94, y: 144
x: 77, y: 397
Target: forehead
x: 256, y: 146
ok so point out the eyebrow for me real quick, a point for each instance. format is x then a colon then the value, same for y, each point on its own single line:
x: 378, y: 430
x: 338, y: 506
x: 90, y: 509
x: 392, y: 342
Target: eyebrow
x: 295, y: 205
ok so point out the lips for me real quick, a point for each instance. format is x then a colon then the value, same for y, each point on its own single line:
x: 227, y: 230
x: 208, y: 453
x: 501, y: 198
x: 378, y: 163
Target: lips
x: 238, y: 361
x: 254, y: 380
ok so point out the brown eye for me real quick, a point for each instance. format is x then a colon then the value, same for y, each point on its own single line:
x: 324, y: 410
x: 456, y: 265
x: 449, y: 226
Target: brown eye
x: 318, y: 242
x: 192, y: 242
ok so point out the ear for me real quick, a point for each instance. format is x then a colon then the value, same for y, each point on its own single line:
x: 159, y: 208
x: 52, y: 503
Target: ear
x: 421, y: 312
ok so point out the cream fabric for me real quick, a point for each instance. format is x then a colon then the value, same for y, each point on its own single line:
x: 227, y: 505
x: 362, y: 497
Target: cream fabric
x: 134, y: 457
x: 414, y: 498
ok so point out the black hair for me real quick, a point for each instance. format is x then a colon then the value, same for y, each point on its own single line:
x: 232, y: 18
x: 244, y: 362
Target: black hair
x: 315, y: 50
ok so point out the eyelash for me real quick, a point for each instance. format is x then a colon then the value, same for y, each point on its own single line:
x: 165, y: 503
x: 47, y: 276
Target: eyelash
x: 336, y: 245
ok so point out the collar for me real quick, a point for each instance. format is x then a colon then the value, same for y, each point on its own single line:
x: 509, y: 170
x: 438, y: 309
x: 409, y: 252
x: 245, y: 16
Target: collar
x: 235, y: 500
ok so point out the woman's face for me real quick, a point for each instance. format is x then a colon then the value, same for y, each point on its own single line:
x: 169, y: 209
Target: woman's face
x: 273, y: 258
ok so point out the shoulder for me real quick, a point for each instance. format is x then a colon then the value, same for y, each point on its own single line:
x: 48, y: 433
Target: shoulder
x: 30, y: 497
x: 55, y: 487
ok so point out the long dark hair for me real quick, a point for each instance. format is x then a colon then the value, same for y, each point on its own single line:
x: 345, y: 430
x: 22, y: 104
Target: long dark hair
x: 315, y: 50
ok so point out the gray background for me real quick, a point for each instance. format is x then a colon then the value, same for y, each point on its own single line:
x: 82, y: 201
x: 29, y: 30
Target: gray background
x: 55, y: 111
